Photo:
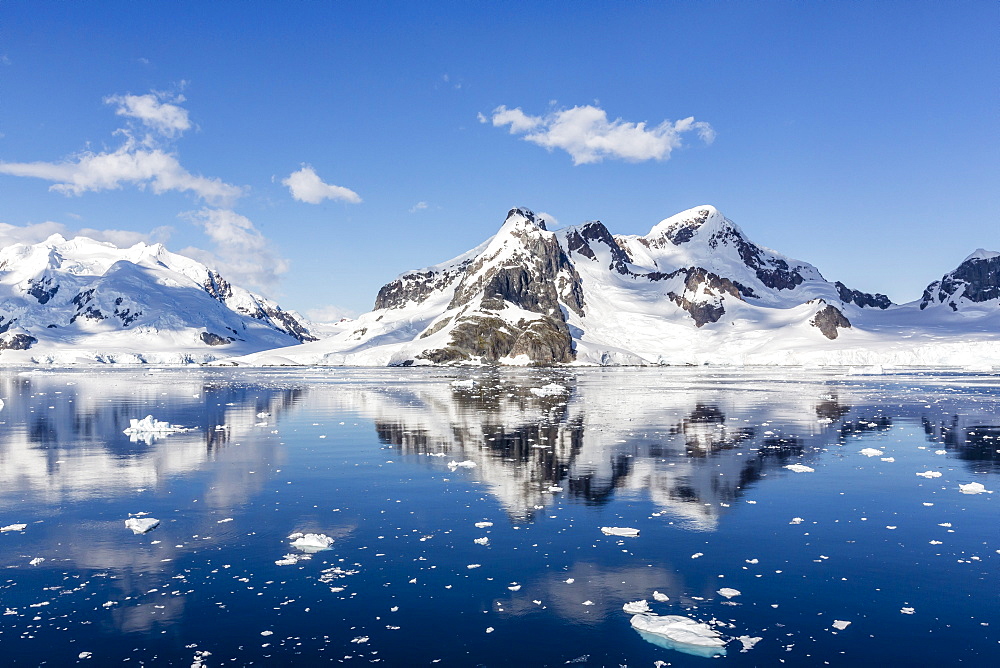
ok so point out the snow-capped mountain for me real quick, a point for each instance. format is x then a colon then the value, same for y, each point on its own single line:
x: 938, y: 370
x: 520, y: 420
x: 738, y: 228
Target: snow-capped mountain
x: 83, y: 300
x: 975, y: 284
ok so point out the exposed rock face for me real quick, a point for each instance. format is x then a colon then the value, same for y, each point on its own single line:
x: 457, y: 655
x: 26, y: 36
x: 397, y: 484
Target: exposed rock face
x: 976, y: 280
x: 582, y: 239
x: 524, y: 268
x: 18, y: 341
x: 828, y: 320
x: 703, y: 292
x: 211, y: 339
x: 416, y: 286
x: 42, y: 289
x: 862, y: 299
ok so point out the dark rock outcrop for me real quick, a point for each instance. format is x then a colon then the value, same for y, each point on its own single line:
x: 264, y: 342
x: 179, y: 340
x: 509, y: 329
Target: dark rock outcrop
x: 42, y: 289
x: 17, y: 341
x: 703, y: 293
x: 581, y: 240
x: 862, y: 299
x: 977, y: 280
x: 828, y: 320
x: 210, y: 339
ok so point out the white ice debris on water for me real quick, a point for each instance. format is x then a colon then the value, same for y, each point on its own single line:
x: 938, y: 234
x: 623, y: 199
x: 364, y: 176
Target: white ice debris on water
x: 872, y: 452
x: 748, y: 642
x: 658, y: 596
x: 311, y: 542
x: 625, y: 532
x: 907, y: 611
x: 797, y: 520
x: 467, y: 464
x: 150, y: 425
x: 974, y: 488
x: 930, y: 474
x: 467, y: 384
x: 483, y: 525
x: 636, y: 607
x: 140, y: 525
x: 729, y: 592
x: 550, y: 390
x: 292, y: 559
x: 13, y: 527
x: 682, y: 630
x: 800, y: 468
x: 840, y: 625
x: 36, y: 561
x: 1, y: 404
x: 481, y: 541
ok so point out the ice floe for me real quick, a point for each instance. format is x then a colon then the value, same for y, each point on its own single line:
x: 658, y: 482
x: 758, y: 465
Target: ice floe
x: 311, y: 542
x: 626, y: 532
x: 728, y: 592
x: 930, y: 474
x: 840, y: 625
x: 974, y: 488
x: 13, y: 527
x: 680, y: 633
x: 550, y: 390
x: 800, y: 468
x: 141, y: 524
x: 36, y: 561
x: 748, y: 642
x: 658, y: 596
x: 871, y: 452
x: 467, y: 464
x: 151, y: 427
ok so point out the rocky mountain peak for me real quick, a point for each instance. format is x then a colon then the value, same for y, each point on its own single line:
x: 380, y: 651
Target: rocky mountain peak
x: 975, y: 281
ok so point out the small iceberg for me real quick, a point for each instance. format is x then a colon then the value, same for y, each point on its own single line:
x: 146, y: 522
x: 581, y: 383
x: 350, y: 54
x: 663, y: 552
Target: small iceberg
x: 800, y: 468
x: 467, y: 464
x: 13, y: 527
x: 930, y: 474
x: 620, y: 531
x: 311, y: 542
x: 679, y: 633
x: 140, y: 525
x: 729, y: 592
x: 636, y: 607
x: 871, y: 452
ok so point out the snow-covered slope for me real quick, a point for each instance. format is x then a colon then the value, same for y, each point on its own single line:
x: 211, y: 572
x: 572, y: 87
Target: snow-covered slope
x: 82, y: 300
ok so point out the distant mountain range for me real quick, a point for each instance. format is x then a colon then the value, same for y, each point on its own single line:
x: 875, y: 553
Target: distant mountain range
x: 87, y: 301
x: 694, y: 290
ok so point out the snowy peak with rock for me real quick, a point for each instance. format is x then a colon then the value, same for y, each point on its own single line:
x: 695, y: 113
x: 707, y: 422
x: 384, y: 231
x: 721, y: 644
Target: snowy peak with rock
x: 694, y: 290
x: 81, y: 300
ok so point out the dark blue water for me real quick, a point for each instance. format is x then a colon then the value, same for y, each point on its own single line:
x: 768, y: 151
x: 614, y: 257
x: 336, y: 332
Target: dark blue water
x: 695, y: 460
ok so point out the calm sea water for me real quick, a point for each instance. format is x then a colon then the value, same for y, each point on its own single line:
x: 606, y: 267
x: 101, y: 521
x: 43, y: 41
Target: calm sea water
x: 694, y: 459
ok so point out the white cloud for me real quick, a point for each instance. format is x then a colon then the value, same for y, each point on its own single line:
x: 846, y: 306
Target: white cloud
x: 151, y: 109
x: 241, y: 253
x: 419, y: 206
x: 329, y: 313
x: 136, y: 162
x: 157, y: 169
x: 306, y: 186
x: 36, y: 232
x: 588, y: 136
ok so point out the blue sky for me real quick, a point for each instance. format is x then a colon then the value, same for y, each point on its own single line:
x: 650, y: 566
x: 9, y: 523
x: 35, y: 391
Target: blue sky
x: 860, y: 137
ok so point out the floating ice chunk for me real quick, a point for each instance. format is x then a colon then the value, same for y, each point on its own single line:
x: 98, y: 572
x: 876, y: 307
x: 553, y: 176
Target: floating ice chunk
x: 13, y: 527
x: 292, y: 559
x: 636, y: 607
x: 467, y: 464
x: 797, y: 520
x: 974, y: 488
x: 800, y: 468
x: 141, y: 524
x: 940, y: 452
x: 471, y: 566
x: 888, y: 459
x: 697, y: 554
x: 569, y: 581
x: 514, y: 587
x: 84, y: 655
x: 729, y: 592
x: 872, y: 452
x: 748, y: 642
x: 657, y: 596
x: 481, y: 541
x: 907, y: 611
x: 840, y: 625
x: 312, y: 542
x: 620, y: 531
x: 150, y: 425
x: 36, y: 561
x: 267, y: 633
x: 466, y: 384
x: 930, y: 474
x: 1, y: 404
x: 263, y: 414
x: 228, y: 519
x: 587, y: 603
x: 681, y: 633
x: 550, y: 390
x: 490, y: 629
x: 483, y: 525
